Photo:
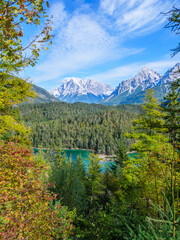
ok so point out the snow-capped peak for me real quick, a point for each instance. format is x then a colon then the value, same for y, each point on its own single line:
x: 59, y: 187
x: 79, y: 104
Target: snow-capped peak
x: 78, y: 87
x: 171, y: 75
x: 144, y: 79
x: 145, y: 69
x: 86, y: 90
x: 148, y: 74
x: 74, y: 79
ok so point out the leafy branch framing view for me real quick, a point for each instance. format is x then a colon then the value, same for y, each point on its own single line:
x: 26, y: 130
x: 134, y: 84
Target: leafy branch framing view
x: 48, y: 196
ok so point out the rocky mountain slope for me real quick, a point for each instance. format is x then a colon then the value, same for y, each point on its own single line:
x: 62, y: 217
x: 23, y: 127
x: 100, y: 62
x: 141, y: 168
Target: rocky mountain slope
x: 129, y: 91
x: 42, y: 96
x: 133, y: 90
x: 82, y: 90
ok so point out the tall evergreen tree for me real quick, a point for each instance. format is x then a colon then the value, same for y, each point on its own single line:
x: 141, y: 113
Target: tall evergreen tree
x: 121, y: 155
x: 67, y: 179
x: 154, y: 167
x: 149, y: 128
x: 94, y: 184
x: 171, y: 105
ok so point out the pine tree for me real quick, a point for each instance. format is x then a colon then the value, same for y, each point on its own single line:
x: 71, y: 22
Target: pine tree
x: 171, y: 105
x: 156, y: 153
x: 121, y: 155
x: 149, y: 128
x: 69, y: 181
x: 79, y: 191
x: 80, y: 169
x: 94, y: 185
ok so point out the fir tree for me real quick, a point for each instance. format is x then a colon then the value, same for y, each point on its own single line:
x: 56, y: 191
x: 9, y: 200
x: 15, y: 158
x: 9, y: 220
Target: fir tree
x: 121, y: 155
x: 171, y: 106
x: 154, y: 170
x: 94, y: 185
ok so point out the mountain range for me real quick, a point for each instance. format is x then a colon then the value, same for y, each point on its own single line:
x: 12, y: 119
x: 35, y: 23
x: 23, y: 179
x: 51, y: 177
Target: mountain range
x: 130, y: 91
x: 82, y: 90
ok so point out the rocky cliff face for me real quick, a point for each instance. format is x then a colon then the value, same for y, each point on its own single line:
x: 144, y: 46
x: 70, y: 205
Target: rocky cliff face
x: 82, y: 90
x: 133, y: 89
x: 145, y: 78
x: 128, y: 91
x: 171, y: 75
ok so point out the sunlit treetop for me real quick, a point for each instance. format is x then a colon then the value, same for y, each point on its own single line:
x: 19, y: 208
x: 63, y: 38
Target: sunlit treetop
x: 13, y: 15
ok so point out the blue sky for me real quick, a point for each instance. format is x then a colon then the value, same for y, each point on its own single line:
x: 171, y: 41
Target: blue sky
x: 106, y: 40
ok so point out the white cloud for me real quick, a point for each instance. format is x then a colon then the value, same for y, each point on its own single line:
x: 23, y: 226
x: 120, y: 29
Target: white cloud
x: 86, y: 37
x: 136, y: 16
x: 116, y: 75
x: 59, y: 15
x: 163, y: 65
x: 81, y: 42
x: 82, y: 33
x: 110, y: 6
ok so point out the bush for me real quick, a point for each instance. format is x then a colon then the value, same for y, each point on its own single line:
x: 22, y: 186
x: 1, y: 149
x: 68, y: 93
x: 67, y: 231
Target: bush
x: 25, y: 204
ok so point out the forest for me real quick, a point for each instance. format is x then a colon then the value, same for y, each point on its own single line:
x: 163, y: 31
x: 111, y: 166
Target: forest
x: 133, y: 198
x: 46, y: 196
x: 84, y: 126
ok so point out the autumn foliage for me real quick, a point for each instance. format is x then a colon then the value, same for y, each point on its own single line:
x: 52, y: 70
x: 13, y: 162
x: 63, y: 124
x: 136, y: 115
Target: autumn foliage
x: 27, y: 209
x: 13, y: 15
x: 25, y: 204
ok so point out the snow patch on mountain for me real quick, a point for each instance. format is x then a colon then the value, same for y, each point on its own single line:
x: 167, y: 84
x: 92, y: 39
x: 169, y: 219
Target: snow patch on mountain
x: 79, y: 87
x: 86, y: 90
x: 145, y: 78
x: 171, y: 75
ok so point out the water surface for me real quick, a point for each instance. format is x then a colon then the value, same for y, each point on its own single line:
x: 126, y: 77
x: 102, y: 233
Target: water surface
x: 74, y: 153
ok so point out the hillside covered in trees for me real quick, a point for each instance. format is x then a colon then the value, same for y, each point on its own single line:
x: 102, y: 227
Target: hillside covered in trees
x: 49, y: 197
x: 79, y: 125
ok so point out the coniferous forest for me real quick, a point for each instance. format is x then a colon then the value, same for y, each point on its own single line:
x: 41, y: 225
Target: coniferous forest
x: 79, y: 125
x: 47, y: 196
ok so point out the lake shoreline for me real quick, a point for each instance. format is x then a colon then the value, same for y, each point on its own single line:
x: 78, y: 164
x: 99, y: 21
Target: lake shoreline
x: 90, y: 150
x: 109, y: 158
x: 103, y: 157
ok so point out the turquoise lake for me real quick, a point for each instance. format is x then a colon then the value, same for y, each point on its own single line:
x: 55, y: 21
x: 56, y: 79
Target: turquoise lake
x: 84, y: 154
x: 73, y: 153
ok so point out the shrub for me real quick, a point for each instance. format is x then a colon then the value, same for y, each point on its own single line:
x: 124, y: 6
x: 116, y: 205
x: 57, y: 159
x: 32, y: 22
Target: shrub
x: 25, y: 204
